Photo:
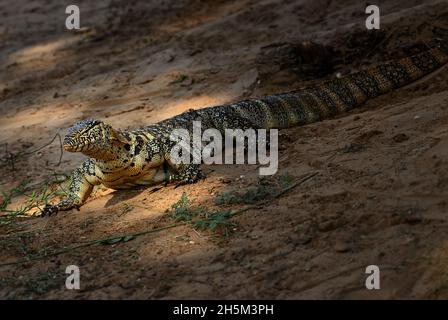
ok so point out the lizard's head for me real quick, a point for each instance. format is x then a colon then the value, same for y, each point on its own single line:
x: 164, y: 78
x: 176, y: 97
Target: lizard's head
x: 89, y: 136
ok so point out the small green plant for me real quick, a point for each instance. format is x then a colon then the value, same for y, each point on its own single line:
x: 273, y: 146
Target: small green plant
x: 35, y: 200
x: 214, y: 220
x: 266, y: 188
x: 182, y: 210
x: 199, y: 217
x: 20, y: 189
x: 180, y: 78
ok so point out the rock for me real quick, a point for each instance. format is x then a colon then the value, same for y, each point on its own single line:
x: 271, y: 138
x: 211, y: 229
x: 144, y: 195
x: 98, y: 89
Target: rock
x: 342, y: 246
x: 400, y: 137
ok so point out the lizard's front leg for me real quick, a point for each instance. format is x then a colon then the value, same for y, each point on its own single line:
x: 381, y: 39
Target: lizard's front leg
x: 186, y: 173
x: 183, y: 173
x: 180, y: 172
x: 82, y: 181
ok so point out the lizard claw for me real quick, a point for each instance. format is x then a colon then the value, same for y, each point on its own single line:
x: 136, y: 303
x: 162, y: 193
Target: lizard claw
x: 49, y: 210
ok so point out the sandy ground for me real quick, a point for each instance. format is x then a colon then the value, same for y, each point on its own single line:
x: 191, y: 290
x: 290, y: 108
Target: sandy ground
x: 379, y: 196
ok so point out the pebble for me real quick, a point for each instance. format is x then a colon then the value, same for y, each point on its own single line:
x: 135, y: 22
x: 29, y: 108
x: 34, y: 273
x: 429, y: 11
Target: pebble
x: 341, y: 246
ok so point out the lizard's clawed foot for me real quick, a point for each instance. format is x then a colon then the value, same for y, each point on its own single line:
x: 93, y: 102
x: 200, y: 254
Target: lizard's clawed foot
x: 49, y: 210
x: 183, y: 180
x: 188, y: 174
x: 64, y: 205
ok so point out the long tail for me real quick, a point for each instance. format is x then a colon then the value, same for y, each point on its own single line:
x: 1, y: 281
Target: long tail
x: 331, y: 97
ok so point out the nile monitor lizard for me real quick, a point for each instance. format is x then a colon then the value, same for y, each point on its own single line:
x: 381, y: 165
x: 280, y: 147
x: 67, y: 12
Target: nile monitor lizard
x: 123, y: 159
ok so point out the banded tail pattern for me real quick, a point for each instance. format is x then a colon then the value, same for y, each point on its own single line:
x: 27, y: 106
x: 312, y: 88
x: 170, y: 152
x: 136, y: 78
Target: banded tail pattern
x: 325, y: 100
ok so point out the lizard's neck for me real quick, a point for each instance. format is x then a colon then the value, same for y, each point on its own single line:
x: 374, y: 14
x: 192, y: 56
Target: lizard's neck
x: 111, y: 152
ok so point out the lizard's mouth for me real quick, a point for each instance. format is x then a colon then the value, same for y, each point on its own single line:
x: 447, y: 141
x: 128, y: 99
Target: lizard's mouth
x: 75, y: 147
x: 72, y: 147
x: 69, y: 147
